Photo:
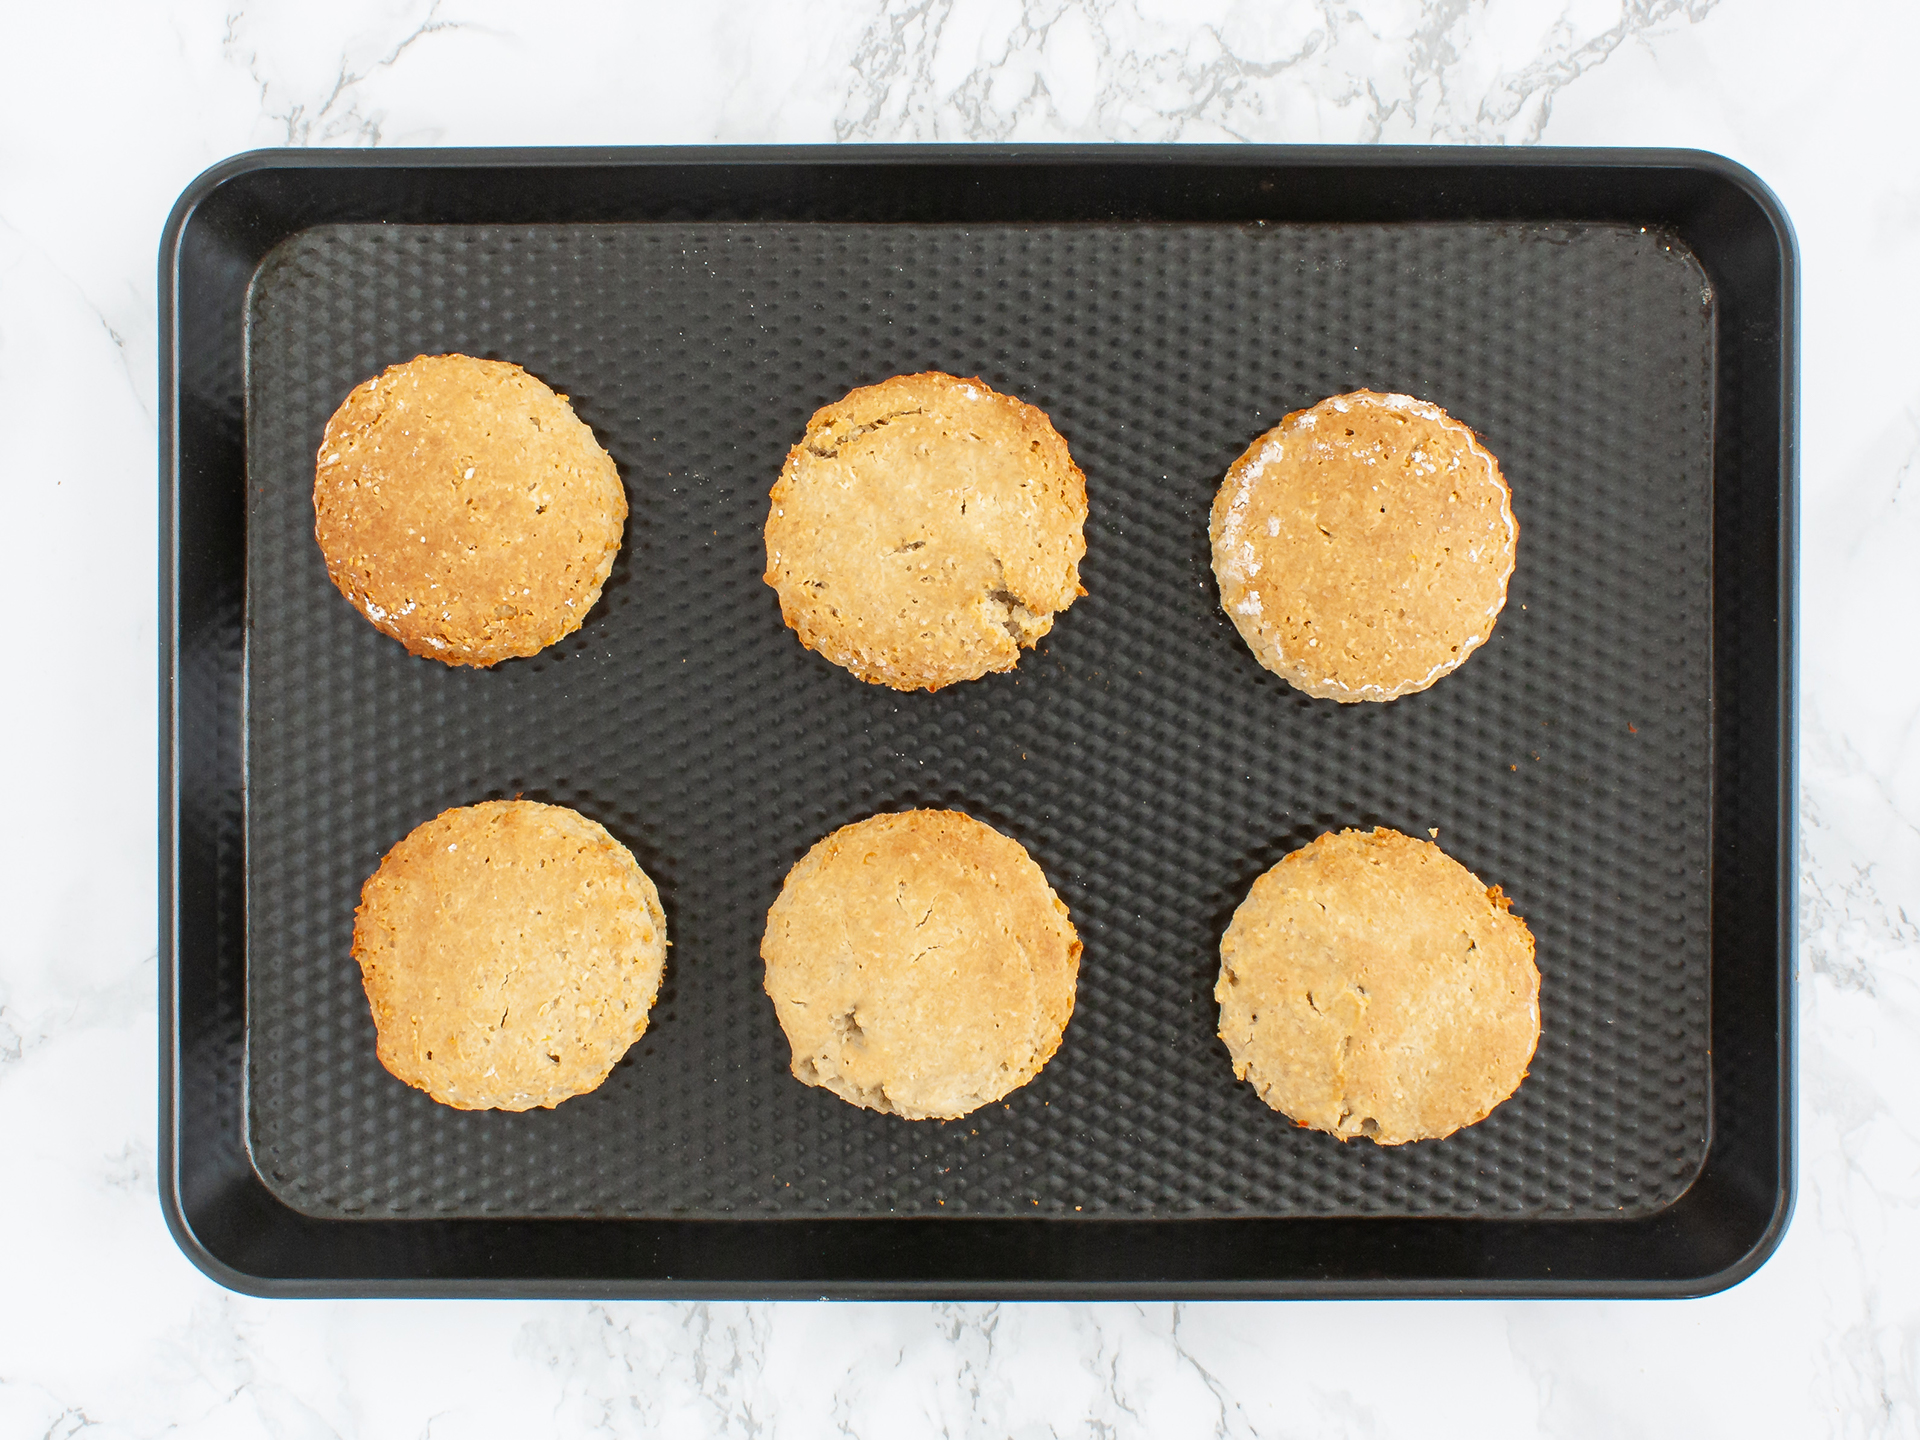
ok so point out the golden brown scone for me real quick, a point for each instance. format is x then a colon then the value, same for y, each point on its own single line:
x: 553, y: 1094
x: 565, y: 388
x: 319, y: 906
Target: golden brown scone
x: 465, y: 510
x: 1370, y: 985
x: 1363, y: 547
x: 510, y: 952
x: 926, y: 530
x: 920, y: 964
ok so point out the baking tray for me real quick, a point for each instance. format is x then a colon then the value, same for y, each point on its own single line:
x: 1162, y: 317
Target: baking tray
x: 1619, y: 326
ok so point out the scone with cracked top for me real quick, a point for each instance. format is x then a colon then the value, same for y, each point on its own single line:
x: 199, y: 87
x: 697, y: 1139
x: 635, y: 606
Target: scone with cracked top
x: 1363, y: 546
x: 920, y: 964
x: 465, y: 510
x: 925, y: 530
x: 1371, y: 986
x: 511, y: 952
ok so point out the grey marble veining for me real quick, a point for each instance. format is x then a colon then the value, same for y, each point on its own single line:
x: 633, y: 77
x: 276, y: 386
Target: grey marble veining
x: 1442, y: 71
x: 108, y: 1330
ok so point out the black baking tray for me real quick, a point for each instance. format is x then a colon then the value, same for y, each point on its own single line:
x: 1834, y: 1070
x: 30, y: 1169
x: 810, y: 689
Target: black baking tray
x: 1620, y: 326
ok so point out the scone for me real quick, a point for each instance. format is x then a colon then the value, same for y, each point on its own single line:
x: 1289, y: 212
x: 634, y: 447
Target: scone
x: 464, y: 509
x: 510, y: 952
x: 1370, y: 985
x: 926, y: 530
x: 920, y: 964
x: 1363, y: 547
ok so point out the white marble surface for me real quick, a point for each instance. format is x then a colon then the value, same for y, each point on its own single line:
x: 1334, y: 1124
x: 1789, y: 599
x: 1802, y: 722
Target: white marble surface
x: 106, y: 113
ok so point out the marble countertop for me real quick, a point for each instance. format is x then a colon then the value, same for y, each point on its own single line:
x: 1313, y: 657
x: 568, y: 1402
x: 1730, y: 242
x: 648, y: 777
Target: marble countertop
x: 103, y: 120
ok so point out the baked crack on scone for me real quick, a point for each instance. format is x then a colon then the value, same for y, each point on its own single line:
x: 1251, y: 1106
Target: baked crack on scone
x: 1371, y: 986
x: 926, y: 530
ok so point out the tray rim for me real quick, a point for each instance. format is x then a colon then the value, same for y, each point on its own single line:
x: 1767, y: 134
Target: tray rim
x: 215, y: 1257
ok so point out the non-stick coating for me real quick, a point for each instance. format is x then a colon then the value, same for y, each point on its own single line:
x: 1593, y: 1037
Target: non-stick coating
x: 1147, y: 762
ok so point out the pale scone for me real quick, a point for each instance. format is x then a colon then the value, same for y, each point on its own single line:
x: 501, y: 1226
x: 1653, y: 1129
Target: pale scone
x: 510, y: 952
x: 925, y: 530
x: 465, y: 510
x: 920, y: 964
x: 1363, y: 546
x: 1370, y: 985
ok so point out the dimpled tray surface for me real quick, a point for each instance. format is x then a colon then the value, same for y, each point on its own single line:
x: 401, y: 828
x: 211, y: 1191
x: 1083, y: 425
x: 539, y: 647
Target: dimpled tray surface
x: 1142, y: 756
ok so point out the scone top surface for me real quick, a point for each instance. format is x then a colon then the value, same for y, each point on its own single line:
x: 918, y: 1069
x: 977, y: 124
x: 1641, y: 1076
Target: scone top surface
x: 1363, y: 546
x: 1370, y: 985
x: 925, y: 530
x: 920, y: 964
x: 465, y: 510
x: 510, y: 951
